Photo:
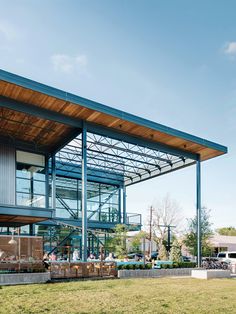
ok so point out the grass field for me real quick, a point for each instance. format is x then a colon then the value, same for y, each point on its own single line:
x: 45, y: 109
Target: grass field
x: 164, y: 295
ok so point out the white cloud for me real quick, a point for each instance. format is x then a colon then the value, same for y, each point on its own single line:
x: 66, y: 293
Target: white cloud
x: 230, y: 48
x: 68, y: 64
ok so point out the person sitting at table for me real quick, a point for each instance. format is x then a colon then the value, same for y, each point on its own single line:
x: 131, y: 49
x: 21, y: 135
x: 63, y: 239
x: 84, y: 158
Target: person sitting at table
x: 2, y: 255
x: 75, y: 256
x: 91, y: 256
x: 109, y: 257
x: 53, y: 257
x: 46, y: 260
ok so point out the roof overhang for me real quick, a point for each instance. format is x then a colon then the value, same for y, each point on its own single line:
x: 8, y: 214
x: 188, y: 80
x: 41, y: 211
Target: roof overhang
x: 59, y: 115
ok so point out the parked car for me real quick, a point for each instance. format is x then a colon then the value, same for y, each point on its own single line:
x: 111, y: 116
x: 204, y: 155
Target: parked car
x: 227, y: 256
x: 186, y: 259
x: 154, y: 255
x: 135, y: 256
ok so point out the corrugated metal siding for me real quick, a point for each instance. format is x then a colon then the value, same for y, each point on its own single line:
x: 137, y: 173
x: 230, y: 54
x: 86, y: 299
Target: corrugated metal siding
x: 7, y: 175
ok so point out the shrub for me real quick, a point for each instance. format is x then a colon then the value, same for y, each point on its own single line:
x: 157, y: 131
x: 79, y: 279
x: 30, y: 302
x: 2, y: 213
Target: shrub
x: 148, y: 266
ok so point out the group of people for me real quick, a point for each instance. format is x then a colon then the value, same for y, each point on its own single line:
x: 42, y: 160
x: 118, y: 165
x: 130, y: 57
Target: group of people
x: 76, y: 257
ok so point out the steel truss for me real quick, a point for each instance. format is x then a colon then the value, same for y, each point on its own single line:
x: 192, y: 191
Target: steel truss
x: 110, y: 157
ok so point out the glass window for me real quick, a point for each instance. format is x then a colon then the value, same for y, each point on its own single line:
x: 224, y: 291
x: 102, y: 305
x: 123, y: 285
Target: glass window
x: 38, y: 201
x: 30, y: 179
x: 221, y: 255
x: 23, y: 185
x: 39, y: 187
x: 23, y: 199
x: 232, y: 255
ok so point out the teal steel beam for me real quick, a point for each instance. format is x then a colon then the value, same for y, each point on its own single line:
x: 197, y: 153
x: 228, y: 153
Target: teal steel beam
x: 39, y: 112
x: 53, y: 183
x: 84, y: 193
x: 122, y: 136
x: 119, y: 200
x: 23, y: 145
x: 26, y: 211
x: 198, y: 209
x: 47, y: 181
x: 124, y: 205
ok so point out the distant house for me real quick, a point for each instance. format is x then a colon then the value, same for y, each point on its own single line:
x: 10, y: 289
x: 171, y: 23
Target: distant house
x: 223, y: 243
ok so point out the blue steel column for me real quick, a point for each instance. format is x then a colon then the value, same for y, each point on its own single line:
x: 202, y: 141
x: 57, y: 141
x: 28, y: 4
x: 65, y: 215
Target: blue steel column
x: 47, y: 182
x: 119, y: 205
x: 84, y: 193
x: 53, y: 180
x: 198, y: 185
x: 124, y: 205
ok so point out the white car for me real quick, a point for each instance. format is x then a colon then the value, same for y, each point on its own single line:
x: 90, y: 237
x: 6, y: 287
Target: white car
x: 229, y: 257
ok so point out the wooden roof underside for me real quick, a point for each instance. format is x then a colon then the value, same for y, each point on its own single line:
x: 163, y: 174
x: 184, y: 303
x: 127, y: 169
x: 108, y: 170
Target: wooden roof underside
x: 21, y: 220
x: 53, y: 131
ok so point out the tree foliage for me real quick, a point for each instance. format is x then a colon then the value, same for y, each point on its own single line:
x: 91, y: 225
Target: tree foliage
x: 175, y: 252
x: 227, y: 231
x: 190, y: 239
x: 137, y: 241
x: 165, y: 212
x: 163, y: 255
x: 117, y: 244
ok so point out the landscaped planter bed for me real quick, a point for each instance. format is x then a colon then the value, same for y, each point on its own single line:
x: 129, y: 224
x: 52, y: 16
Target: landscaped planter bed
x: 152, y: 273
x: 24, y: 278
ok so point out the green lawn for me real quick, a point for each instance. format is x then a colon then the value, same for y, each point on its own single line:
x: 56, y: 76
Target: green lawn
x: 164, y: 295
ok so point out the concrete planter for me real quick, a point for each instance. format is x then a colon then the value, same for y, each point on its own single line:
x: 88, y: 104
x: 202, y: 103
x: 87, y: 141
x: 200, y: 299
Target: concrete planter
x: 210, y: 273
x: 153, y: 273
x: 24, y: 278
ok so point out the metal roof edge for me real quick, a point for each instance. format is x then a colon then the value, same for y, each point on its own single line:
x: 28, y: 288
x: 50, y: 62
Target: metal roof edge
x: 54, y: 92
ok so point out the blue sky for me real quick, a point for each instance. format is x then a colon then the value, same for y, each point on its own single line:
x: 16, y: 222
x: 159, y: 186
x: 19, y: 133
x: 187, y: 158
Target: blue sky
x: 173, y: 62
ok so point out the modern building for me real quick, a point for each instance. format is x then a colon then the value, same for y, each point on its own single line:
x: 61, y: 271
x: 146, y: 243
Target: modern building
x: 66, y: 162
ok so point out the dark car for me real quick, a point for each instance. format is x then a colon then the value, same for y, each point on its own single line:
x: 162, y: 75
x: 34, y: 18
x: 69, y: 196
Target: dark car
x: 186, y: 259
x: 154, y: 255
x: 135, y: 255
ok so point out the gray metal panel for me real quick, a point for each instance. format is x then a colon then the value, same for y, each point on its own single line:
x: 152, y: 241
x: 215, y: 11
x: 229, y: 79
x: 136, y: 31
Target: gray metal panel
x: 7, y: 175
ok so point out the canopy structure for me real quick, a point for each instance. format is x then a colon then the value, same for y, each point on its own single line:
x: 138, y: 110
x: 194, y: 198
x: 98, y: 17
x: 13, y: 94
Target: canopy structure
x: 90, y: 140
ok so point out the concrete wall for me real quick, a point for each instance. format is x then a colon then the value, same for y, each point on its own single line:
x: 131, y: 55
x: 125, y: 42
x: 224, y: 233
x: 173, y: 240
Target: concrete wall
x: 152, y: 273
x: 24, y: 278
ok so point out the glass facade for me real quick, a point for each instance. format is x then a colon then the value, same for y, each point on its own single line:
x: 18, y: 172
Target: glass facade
x: 102, y: 204
x: 30, y: 179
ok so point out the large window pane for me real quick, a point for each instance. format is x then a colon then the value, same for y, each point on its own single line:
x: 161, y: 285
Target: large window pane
x: 23, y: 199
x: 38, y: 201
x: 23, y: 185
x: 39, y: 187
x: 30, y: 179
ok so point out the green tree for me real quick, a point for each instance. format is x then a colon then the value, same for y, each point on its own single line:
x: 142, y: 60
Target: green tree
x: 117, y: 244
x: 227, y: 231
x: 137, y: 241
x: 163, y: 255
x: 175, y: 252
x: 190, y: 239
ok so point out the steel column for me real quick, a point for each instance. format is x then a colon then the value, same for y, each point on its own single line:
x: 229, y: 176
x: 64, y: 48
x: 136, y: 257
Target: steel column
x: 54, y: 184
x: 124, y: 205
x: 198, y: 208
x: 84, y: 193
x: 47, y: 181
x: 119, y: 200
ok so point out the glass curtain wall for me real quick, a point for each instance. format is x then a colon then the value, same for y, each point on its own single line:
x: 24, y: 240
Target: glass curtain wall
x: 102, y: 205
x: 30, y: 179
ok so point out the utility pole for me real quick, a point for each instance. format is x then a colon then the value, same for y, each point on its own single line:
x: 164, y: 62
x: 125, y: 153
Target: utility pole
x: 150, y: 231
x: 168, y: 235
